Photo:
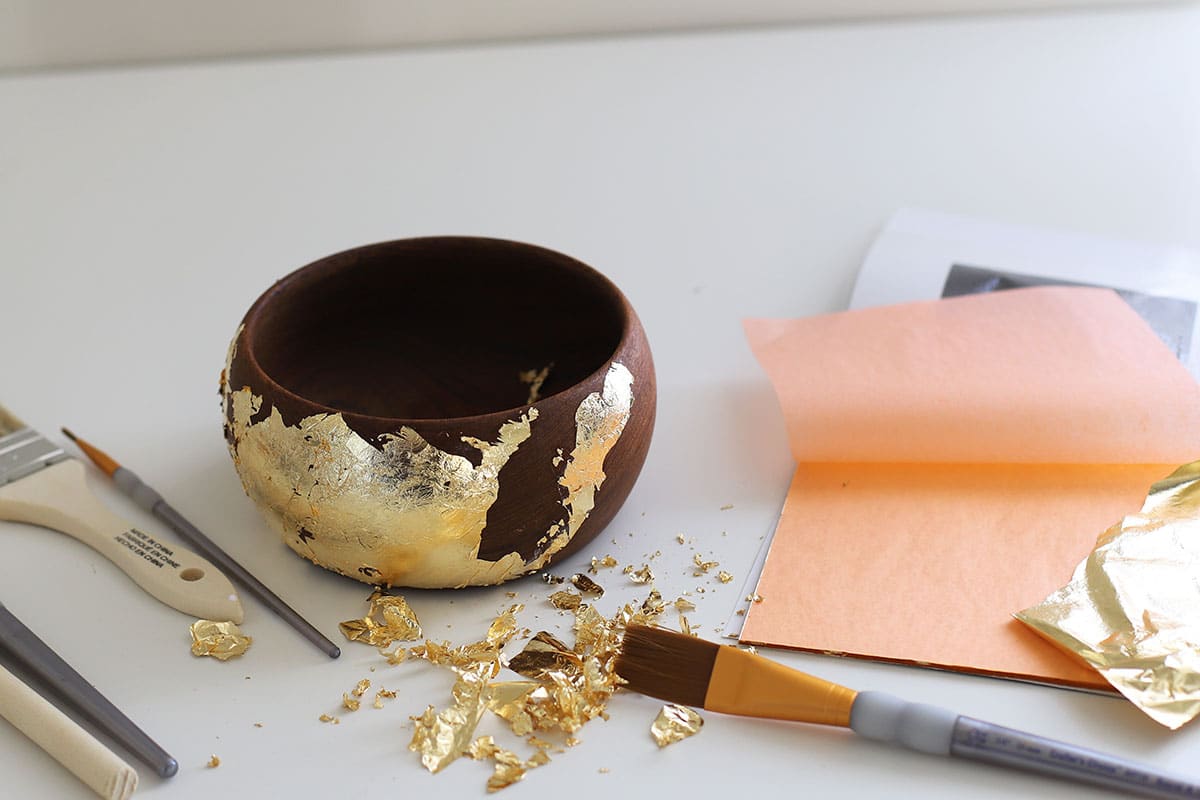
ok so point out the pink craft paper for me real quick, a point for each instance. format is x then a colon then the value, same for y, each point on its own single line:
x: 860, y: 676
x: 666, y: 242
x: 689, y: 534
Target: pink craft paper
x: 957, y: 458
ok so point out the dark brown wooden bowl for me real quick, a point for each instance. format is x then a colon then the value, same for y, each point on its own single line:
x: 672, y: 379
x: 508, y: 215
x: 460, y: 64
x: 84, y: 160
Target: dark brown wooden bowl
x: 439, y: 412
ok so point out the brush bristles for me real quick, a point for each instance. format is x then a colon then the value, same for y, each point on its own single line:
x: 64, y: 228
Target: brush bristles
x: 666, y: 664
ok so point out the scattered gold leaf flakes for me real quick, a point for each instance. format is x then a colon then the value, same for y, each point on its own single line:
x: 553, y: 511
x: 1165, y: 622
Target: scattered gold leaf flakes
x: 685, y: 627
x: 350, y: 703
x: 510, y: 595
x: 603, y: 770
x: 504, y: 627
x: 441, y: 738
x: 683, y: 604
x: 508, y: 701
x: 397, y: 656
x: 754, y: 598
x: 565, y: 600
x: 327, y: 718
x: 221, y: 640
x: 653, y: 604
x: 741, y: 612
x: 608, y: 562
x: 703, y: 566
x: 390, y: 694
x: 674, y: 724
x: 214, y: 762
x: 258, y: 724
x: 388, y: 620
x: 724, y: 577
x: 679, y: 538
x: 543, y: 654
x: 361, y: 687
x: 586, y: 585
x: 727, y: 506
x: 643, y: 575
x: 553, y: 580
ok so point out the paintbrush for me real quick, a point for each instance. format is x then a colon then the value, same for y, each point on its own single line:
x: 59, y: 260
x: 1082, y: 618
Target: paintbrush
x: 146, y: 497
x: 693, y: 672
x: 42, y: 485
x: 35, y: 657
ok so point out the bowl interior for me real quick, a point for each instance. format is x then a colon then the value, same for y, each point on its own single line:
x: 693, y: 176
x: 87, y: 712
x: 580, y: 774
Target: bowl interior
x: 435, y: 328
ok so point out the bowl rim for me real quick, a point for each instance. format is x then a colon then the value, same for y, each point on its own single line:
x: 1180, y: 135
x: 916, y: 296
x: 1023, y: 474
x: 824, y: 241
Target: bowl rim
x: 629, y: 324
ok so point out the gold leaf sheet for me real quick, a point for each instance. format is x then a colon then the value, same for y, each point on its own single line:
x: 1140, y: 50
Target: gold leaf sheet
x: 1132, y: 608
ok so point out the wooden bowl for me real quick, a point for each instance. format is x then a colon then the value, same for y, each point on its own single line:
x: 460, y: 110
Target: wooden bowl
x: 439, y: 412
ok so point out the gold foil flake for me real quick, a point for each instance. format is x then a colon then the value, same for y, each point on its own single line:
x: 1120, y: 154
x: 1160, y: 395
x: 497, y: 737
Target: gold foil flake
x: 543, y: 654
x: 586, y: 585
x: 724, y: 577
x: 685, y: 627
x: 565, y: 600
x: 703, y: 566
x: 474, y: 657
x: 327, y: 718
x: 221, y: 640
x: 679, y: 538
x: 726, y: 507
x: 441, y: 738
x: 361, y: 687
x: 754, y: 598
x: 534, y: 378
x: 674, y: 724
x: 553, y: 580
x: 682, y: 604
x: 643, y: 575
x: 397, y: 656
x: 213, y: 762
x: 653, y: 605
x: 510, y: 595
x: 350, y: 703
x: 608, y: 562
x: 504, y: 627
x: 509, y: 767
x: 390, y: 619
x: 508, y: 701
x: 1132, y: 608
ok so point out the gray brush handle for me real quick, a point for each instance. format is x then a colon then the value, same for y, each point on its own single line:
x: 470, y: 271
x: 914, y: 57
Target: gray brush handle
x: 934, y: 730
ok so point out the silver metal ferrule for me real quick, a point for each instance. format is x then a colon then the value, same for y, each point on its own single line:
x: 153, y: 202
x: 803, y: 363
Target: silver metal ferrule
x: 24, y: 452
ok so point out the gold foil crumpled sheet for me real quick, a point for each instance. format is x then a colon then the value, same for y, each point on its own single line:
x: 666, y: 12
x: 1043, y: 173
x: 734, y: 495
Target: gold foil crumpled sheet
x: 389, y: 619
x: 221, y: 640
x: 566, y: 687
x: 674, y: 724
x: 1132, y: 608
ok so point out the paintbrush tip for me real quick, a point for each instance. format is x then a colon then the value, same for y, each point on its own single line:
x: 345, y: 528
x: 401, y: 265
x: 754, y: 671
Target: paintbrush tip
x: 98, y: 457
x: 668, y: 665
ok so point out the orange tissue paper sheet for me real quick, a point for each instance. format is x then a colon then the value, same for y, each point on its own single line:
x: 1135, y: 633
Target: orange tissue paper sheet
x: 956, y: 459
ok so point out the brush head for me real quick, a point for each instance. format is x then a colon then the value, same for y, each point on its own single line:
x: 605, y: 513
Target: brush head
x: 667, y: 665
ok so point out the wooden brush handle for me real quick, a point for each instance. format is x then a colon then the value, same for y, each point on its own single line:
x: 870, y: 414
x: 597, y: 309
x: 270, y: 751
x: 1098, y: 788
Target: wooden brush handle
x: 57, y: 497
x: 69, y: 744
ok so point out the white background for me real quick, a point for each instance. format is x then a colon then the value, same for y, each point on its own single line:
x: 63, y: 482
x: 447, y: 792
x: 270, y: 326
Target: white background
x: 712, y: 176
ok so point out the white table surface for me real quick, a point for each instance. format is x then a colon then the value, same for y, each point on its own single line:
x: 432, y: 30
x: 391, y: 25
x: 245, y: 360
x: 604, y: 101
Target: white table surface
x: 712, y: 176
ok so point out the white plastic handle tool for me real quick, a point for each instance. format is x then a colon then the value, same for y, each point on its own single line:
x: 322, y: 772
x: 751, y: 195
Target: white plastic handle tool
x: 58, y: 497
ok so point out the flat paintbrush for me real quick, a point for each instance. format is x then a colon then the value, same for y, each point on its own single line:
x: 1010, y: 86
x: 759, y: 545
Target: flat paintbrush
x: 128, y: 482
x: 689, y: 671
